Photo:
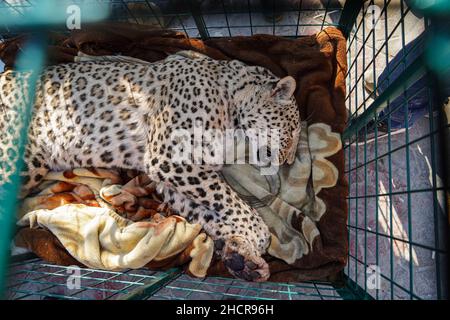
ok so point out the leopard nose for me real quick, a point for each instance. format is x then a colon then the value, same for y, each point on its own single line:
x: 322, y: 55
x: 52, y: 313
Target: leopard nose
x: 236, y: 262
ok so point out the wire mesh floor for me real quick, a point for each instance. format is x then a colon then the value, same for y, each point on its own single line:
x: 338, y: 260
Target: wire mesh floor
x: 37, y: 280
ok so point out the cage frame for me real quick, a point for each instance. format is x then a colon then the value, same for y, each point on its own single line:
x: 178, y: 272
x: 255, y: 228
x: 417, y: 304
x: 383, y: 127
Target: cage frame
x: 358, y: 124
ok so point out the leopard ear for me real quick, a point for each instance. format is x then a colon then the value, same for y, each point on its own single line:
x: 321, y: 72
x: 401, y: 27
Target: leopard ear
x: 284, y: 89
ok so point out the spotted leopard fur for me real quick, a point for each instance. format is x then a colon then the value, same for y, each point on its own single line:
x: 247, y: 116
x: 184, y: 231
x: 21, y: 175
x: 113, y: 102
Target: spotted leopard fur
x: 119, y: 114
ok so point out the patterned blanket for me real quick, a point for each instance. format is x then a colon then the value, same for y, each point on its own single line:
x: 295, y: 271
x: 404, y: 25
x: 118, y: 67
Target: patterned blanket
x: 304, y: 205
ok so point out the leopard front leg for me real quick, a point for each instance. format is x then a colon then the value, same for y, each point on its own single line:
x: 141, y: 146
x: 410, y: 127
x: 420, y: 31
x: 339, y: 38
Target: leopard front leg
x: 239, y: 232
x: 192, y: 212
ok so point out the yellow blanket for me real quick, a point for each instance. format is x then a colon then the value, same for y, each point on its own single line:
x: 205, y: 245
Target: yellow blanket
x: 79, y: 208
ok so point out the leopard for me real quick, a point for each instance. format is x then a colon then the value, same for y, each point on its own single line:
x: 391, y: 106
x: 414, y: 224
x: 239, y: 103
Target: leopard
x: 122, y: 114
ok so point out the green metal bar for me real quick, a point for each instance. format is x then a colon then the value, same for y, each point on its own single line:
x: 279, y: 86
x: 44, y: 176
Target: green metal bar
x: 325, y: 14
x: 153, y: 286
x: 416, y: 244
x: 364, y: 12
x: 250, y: 16
x: 349, y: 14
x: 42, y: 275
x: 130, y: 13
x: 318, y: 292
x: 350, y: 184
x: 365, y: 166
x: 298, y: 17
x: 435, y: 198
x: 379, y: 51
x: 192, y: 290
x: 226, y: 17
x: 407, y: 159
x: 150, y: 6
x: 377, y: 187
x: 434, y: 132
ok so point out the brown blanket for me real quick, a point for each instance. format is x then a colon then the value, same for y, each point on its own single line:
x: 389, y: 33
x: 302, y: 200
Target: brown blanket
x: 121, y: 219
x: 318, y: 63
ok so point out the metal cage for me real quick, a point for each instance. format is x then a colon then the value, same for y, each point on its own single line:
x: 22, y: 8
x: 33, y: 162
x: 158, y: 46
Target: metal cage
x: 395, y: 148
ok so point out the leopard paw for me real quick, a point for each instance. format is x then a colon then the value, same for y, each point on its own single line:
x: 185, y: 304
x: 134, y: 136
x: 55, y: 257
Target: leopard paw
x: 243, y: 262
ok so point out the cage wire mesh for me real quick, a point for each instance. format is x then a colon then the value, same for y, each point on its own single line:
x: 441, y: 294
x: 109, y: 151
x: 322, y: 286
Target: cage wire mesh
x: 397, y: 214
x: 34, y: 279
